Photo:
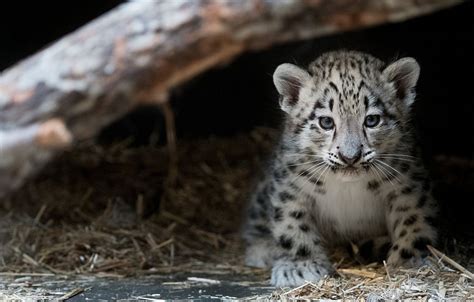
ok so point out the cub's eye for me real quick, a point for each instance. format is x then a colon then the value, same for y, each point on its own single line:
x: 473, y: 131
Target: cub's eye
x: 326, y: 122
x: 372, y: 120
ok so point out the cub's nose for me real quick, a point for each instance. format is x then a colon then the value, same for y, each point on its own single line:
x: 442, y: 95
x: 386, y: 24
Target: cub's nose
x: 350, y: 159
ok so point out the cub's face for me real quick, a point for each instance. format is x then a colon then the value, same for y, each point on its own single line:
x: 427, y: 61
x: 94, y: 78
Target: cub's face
x: 348, y: 112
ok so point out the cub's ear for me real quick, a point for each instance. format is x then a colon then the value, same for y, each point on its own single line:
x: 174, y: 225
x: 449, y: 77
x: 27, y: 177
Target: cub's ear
x: 288, y: 80
x: 403, y: 74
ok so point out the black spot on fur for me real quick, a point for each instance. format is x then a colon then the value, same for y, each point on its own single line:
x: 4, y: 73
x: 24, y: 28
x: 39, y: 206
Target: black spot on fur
x: 294, y: 187
x: 395, y: 247
x: 406, y: 254
x: 264, y: 230
x: 285, y: 196
x: 261, y: 199
x: 373, y: 185
x: 284, y: 173
x: 407, y: 190
x: 410, y: 220
x: 318, y: 105
x: 276, y: 175
x: 297, y: 214
x: 402, y: 208
x: 366, y: 102
x: 315, y: 181
x: 299, y: 128
x: 285, y: 242
x: 277, y: 214
x: 422, y: 201
x: 300, y: 274
x: 304, y: 173
x: 420, y: 243
x: 271, y: 188
x: 303, y: 251
x: 391, y: 196
x: 333, y: 86
x: 402, y: 233
x: 304, y: 228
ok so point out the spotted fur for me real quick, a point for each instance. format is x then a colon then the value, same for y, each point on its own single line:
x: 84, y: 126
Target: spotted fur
x: 335, y: 177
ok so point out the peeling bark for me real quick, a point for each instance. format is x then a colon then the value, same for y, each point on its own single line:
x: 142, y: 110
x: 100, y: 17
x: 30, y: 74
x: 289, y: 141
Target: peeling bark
x: 139, y: 51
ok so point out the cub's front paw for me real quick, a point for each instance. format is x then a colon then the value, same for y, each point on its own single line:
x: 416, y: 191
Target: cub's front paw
x: 295, y: 273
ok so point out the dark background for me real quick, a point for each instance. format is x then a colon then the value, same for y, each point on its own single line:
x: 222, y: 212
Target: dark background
x: 241, y: 95
x: 237, y: 97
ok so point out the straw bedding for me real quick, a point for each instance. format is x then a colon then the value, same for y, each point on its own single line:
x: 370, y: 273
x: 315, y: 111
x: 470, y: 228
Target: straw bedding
x: 119, y: 211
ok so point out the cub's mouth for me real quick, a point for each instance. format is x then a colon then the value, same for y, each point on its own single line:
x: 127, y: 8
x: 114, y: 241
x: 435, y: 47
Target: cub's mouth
x: 350, y: 172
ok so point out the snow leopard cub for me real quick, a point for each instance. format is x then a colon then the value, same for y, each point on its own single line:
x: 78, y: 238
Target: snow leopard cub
x: 346, y: 170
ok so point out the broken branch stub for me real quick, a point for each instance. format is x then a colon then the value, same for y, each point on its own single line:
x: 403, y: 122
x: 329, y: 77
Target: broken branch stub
x: 141, y: 50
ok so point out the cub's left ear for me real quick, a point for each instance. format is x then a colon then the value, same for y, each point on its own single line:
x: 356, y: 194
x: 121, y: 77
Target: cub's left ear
x: 403, y: 74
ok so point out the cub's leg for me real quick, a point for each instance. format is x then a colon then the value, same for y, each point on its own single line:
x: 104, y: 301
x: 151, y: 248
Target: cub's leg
x: 261, y: 248
x: 410, y: 217
x: 281, y: 232
x: 292, y: 263
x: 302, y: 256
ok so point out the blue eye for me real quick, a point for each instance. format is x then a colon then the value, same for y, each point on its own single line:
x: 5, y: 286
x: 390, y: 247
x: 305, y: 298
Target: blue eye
x: 372, y: 120
x: 326, y: 122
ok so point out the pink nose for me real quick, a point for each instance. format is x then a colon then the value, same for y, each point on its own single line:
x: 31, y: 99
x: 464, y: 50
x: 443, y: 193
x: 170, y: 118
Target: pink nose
x: 352, y: 159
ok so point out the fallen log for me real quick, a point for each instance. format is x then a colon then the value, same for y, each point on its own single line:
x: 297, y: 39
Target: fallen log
x: 138, y: 52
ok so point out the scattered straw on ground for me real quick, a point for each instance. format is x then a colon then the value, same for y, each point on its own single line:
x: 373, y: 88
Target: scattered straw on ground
x: 375, y: 283
x: 94, y: 211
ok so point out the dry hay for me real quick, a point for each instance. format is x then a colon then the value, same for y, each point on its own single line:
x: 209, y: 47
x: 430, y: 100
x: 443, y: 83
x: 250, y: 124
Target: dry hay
x: 94, y: 212
x: 87, y: 212
x: 374, y: 283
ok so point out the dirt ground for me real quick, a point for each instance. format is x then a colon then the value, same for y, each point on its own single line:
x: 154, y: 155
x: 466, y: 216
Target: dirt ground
x: 124, y: 215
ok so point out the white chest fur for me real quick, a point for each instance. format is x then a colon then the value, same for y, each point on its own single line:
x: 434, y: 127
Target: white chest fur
x: 349, y: 209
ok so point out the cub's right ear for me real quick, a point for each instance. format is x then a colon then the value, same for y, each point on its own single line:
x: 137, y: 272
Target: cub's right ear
x: 288, y: 80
